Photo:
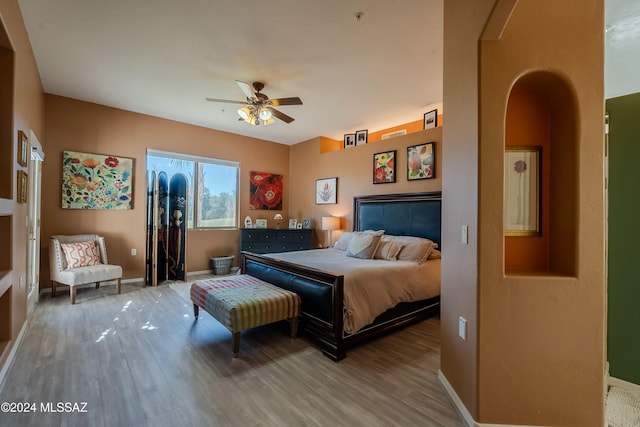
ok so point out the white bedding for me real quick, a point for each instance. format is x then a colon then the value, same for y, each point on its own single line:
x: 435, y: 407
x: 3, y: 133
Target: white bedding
x: 371, y: 286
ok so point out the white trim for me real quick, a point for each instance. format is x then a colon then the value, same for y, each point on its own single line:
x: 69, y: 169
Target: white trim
x: 192, y: 158
x: 12, y: 354
x: 462, y: 410
x: 617, y: 382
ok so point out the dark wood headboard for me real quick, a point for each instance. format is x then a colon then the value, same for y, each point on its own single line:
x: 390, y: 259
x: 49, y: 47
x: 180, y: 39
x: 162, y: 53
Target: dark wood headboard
x: 411, y: 214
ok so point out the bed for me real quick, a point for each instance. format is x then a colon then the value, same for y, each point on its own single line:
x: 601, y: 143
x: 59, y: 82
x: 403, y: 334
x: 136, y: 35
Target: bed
x: 324, y: 314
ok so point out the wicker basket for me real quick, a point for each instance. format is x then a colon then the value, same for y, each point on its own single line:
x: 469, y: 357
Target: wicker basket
x: 222, y: 264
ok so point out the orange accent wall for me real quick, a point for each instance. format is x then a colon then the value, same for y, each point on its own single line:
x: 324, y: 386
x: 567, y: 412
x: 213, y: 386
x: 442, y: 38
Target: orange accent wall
x: 527, y: 124
x: 327, y: 144
x: 354, y: 169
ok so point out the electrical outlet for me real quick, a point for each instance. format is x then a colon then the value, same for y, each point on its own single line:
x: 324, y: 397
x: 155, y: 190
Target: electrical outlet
x: 134, y: 252
x: 462, y: 328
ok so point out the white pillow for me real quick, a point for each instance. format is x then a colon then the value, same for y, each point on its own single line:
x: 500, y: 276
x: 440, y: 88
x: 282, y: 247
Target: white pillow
x: 363, y: 244
x: 343, y: 242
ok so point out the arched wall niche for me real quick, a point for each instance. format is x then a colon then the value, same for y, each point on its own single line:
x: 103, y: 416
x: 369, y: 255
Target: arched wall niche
x: 542, y: 112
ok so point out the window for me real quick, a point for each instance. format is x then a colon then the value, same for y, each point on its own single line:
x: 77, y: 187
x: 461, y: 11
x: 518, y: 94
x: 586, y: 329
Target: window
x: 213, y: 182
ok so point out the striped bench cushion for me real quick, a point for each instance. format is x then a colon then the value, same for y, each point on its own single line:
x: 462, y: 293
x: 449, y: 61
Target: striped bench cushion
x: 241, y: 302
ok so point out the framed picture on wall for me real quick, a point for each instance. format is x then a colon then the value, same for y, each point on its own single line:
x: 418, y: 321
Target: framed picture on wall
x: 326, y: 191
x: 421, y: 161
x: 384, y: 167
x: 522, y: 191
x: 349, y: 140
x: 23, y: 185
x: 431, y: 119
x: 23, y: 148
x: 362, y: 137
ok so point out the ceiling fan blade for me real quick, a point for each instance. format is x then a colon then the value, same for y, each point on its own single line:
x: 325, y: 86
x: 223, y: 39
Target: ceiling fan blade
x: 286, y: 101
x: 280, y: 115
x: 226, y: 101
x: 246, y: 89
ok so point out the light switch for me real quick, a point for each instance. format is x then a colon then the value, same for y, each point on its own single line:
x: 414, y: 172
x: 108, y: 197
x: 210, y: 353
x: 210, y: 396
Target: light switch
x: 134, y: 252
x: 464, y: 235
x: 462, y: 328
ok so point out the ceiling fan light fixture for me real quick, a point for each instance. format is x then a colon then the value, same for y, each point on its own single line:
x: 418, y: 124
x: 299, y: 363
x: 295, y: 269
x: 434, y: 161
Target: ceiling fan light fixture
x: 244, y: 113
x: 265, y: 114
x: 268, y: 121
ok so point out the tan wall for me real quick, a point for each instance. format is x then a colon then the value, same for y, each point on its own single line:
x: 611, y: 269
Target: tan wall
x: 463, y: 24
x: 85, y: 127
x: 535, y: 348
x: 28, y: 114
x: 354, y: 169
x: 542, y: 335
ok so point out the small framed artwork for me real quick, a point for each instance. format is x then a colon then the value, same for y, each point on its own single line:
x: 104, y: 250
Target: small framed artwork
x: 23, y: 148
x: 431, y: 119
x: 23, y: 185
x: 421, y: 161
x: 293, y: 223
x: 522, y: 191
x: 326, y: 191
x: 299, y: 226
x: 261, y: 223
x: 248, y: 222
x: 349, y: 140
x: 362, y: 136
x: 384, y: 167
x: 306, y: 223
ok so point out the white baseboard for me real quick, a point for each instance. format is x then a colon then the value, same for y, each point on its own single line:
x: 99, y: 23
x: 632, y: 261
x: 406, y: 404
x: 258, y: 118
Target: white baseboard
x: 463, y: 411
x: 617, y: 382
x: 12, y: 353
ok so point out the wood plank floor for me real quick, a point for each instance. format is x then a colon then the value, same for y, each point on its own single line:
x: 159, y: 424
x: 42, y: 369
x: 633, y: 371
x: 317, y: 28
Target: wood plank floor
x: 139, y: 359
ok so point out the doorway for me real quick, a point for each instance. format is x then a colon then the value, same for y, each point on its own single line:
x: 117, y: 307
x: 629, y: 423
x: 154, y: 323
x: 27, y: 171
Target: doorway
x: 34, y: 203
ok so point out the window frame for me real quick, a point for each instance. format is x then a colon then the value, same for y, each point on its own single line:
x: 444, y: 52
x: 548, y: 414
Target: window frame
x: 197, y: 161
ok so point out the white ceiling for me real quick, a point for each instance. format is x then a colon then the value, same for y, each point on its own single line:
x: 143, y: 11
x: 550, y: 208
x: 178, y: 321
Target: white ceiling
x: 163, y: 57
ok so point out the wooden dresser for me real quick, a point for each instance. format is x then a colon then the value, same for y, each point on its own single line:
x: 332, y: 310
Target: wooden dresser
x: 267, y: 240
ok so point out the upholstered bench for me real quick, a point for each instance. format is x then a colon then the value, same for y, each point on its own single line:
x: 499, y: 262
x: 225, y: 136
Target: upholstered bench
x: 242, y: 302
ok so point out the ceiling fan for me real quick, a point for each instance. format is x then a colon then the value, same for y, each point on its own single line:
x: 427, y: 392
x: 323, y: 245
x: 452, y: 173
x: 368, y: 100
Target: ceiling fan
x: 259, y: 108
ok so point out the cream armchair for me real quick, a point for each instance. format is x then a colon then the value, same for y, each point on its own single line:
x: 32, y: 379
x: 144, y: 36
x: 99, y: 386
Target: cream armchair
x: 72, y: 277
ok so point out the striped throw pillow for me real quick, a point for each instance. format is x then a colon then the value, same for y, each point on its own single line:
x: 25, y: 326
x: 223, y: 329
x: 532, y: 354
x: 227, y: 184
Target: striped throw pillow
x: 81, y: 254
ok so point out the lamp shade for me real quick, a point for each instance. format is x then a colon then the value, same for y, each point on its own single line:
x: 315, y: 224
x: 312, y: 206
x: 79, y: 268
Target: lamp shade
x: 330, y: 223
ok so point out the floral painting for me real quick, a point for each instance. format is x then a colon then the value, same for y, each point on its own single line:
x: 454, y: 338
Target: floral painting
x: 522, y: 191
x: 94, y: 181
x: 326, y: 191
x: 384, y: 167
x: 266, y: 191
x: 421, y: 161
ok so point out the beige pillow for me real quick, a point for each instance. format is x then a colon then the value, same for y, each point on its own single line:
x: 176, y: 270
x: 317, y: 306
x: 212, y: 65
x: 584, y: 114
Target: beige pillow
x: 435, y: 254
x: 416, y: 249
x: 363, y: 244
x: 387, y: 250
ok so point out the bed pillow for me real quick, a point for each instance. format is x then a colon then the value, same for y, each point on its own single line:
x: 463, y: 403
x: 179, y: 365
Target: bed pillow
x: 435, y: 254
x: 80, y: 254
x: 363, y: 244
x: 343, y: 242
x: 416, y: 249
x: 387, y: 250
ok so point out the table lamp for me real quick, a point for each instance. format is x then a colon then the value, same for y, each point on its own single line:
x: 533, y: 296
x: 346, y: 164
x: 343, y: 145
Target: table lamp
x: 330, y: 223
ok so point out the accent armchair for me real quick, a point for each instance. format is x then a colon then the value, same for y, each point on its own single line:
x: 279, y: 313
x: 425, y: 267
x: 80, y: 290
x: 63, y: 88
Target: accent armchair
x: 80, y: 260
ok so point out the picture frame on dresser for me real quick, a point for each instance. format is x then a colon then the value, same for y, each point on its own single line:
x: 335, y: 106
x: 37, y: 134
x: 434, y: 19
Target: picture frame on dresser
x: 261, y: 223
